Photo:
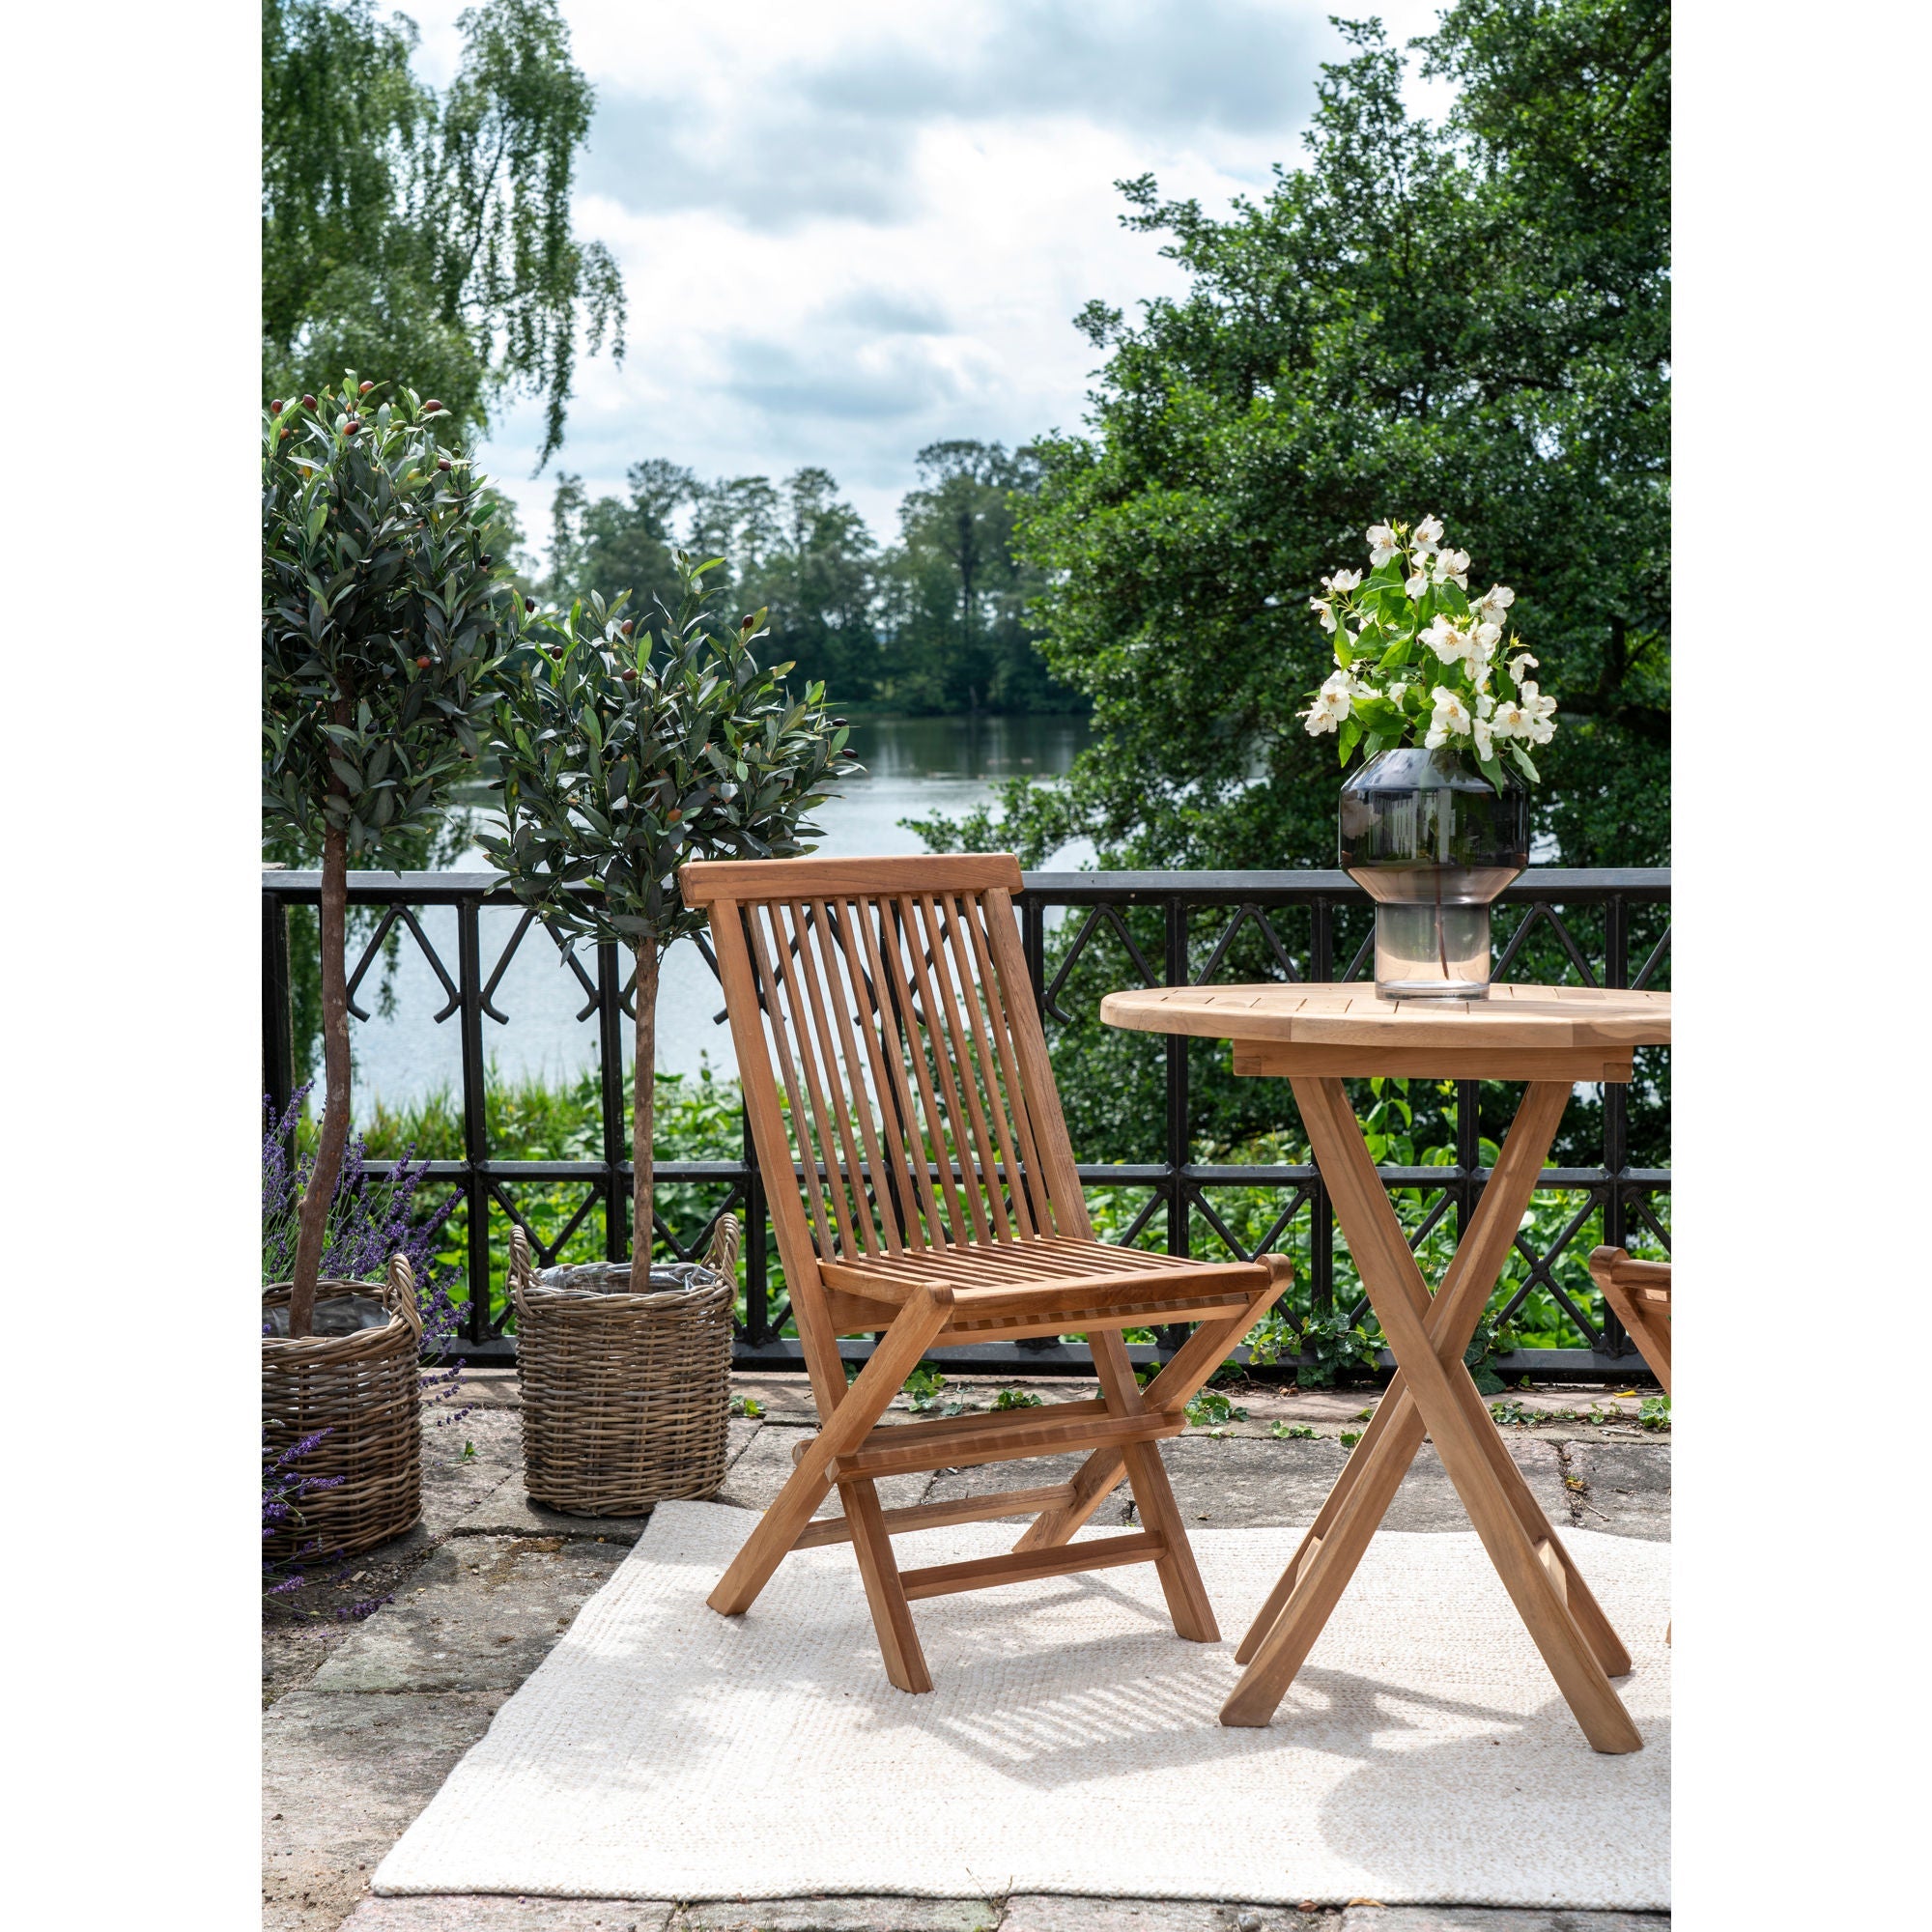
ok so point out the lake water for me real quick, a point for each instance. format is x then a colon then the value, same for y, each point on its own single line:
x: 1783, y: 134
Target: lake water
x: 914, y: 767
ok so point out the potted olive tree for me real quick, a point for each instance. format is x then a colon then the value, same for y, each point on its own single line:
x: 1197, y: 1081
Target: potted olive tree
x: 620, y: 755
x: 383, y: 624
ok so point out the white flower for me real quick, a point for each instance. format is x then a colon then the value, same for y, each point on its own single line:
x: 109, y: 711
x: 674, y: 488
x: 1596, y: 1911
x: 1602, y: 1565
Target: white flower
x: 1540, y: 710
x: 1342, y: 582
x: 1417, y: 583
x: 1495, y: 601
x: 1442, y: 637
x: 1452, y: 567
x: 1329, y: 709
x: 1511, y: 721
x: 1395, y: 691
x: 1428, y: 534
x: 1517, y: 664
x: 1450, y: 719
x: 1321, y: 609
x: 1479, y: 729
x: 1383, y: 545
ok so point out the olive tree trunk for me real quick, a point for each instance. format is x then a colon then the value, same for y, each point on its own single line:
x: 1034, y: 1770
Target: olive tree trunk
x: 312, y: 1225
x: 644, y: 1106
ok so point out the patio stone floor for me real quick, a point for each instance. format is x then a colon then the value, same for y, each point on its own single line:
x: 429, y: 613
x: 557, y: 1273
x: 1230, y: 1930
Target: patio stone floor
x: 363, y: 1720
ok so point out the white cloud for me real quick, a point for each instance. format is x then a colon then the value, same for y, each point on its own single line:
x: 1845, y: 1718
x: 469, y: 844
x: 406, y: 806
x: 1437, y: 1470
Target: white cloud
x: 851, y: 229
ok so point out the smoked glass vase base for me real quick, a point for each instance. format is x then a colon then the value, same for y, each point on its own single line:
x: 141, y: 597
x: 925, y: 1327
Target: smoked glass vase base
x: 1432, y: 952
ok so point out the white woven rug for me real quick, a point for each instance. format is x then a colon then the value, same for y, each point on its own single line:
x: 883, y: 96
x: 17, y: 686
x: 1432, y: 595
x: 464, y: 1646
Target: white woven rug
x: 1070, y: 1746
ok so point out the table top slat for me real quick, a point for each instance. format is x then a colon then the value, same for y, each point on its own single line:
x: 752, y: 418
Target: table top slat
x: 1329, y: 1014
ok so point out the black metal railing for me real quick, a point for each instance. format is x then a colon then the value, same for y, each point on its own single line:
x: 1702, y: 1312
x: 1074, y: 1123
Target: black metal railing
x: 1605, y: 929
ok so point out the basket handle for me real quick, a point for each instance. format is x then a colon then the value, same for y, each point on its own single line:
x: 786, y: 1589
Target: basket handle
x: 401, y: 1292
x: 523, y: 1271
x: 722, y: 1255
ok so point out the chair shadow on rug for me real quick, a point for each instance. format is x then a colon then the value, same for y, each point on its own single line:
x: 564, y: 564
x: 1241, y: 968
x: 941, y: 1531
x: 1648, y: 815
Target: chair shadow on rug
x: 924, y: 1191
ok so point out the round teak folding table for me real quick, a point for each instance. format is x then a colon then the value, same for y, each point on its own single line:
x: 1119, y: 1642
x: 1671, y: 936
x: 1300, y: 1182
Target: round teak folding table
x: 1315, y: 1037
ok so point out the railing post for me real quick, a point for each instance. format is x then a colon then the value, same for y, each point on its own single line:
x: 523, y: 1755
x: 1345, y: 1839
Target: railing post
x: 278, y: 1053
x: 1321, y: 1216
x: 1616, y: 1115
x: 1177, y: 975
x: 476, y: 1119
x: 611, y: 1100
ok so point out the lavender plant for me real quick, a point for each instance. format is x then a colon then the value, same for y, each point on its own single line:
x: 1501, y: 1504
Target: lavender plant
x: 373, y: 1215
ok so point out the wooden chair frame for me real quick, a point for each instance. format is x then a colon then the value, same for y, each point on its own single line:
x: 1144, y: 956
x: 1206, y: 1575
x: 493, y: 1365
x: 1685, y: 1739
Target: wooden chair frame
x: 1639, y: 1294
x: 923, y: 1189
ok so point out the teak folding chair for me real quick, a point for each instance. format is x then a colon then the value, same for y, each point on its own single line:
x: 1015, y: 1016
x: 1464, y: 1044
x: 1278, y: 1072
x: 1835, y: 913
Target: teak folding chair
x: 921, y: 1184
x: 1639, y: 1294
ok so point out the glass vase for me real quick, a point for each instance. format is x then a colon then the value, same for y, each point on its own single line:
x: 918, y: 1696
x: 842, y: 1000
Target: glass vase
x: 1433, y: 843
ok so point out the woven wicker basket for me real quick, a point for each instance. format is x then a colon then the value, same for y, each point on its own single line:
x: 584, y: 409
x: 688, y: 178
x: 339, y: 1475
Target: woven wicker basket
x: 363, y: 1389
x: 625, y: 1396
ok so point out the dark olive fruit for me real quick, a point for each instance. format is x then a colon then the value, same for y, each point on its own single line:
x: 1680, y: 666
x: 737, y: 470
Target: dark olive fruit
x: 423, y: 664
x: 352, y: 426
x: 484, y: 559
x: 674, y: 817
x: 364, y: 389
x: 308, y: 402
x: 628, y: 676
x: 627, y: 627
x: 530, y: 604
x: 442, y: 463
x: 431, y: 404
x: 275, y: 407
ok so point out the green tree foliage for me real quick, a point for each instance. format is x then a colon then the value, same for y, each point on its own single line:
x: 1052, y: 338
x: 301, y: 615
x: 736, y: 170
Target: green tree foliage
x: 1469, y: 320
x: 383, y: 620
x: 620, y: 757
x: 421, y: 236
x: 934, y: 623
x: 955, y: 593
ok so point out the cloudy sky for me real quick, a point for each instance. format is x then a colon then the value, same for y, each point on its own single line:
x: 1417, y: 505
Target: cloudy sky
x: 849, y: 228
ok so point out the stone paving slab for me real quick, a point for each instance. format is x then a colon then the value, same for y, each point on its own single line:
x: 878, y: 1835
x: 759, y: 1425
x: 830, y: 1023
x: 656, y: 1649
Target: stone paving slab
x: 1040, y: 1913
x: 476, y: 1912
x: 342, y: 1778
x: 1238, y: 1482
x: 481, y: 1615
x: 1494, y: 1919
x: 754, y: 1481
x: 840, y: 1915
x: 1625, y: 1487
x: 509, y: 1510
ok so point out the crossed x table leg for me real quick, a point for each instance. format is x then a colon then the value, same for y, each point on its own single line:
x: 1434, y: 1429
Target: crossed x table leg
x: 1432, y: 1392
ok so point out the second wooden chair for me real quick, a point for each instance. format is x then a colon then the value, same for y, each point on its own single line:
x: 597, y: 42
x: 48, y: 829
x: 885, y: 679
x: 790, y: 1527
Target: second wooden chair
x: 921, y: 1184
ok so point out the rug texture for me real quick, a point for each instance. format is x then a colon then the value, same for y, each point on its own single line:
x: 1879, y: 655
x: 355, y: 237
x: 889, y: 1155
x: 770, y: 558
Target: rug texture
x: 1071, y: 1743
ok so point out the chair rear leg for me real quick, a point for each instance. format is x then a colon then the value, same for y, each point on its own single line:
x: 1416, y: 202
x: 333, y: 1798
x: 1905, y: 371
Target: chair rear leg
x: 1154, y: 1496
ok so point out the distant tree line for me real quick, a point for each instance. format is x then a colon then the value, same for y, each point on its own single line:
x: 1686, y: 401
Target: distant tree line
x: 933, y: 623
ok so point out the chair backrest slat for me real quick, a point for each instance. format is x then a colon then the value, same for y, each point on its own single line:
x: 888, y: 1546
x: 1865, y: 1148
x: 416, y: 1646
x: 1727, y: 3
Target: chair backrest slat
x: 899, y: 1024
x: 803, y: 1114
x: 892, y: 933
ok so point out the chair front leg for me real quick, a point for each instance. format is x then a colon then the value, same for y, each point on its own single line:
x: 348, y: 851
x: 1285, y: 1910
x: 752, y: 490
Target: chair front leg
x: 895, y: 1359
